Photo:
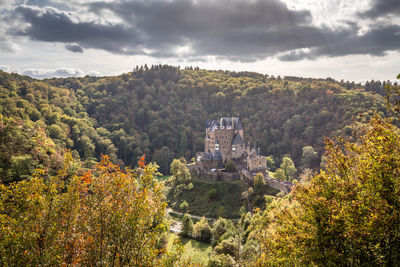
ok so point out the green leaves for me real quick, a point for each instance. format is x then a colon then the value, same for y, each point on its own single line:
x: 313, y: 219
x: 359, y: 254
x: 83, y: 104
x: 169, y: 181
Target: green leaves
x: 107, y: 216
x: 348, y: 214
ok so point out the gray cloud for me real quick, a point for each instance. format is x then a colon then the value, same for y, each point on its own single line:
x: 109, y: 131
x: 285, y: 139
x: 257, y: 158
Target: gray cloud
x: 374, y: 42
x: 74, y: 48
x: 295, y: 56
x: 60, y: 72
x: 51, y: 25
x: 234, y: 30
x: 6, y: 45
x: 382, y: 7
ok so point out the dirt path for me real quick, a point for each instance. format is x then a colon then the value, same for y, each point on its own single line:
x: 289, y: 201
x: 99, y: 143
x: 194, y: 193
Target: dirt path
x: 169, y: 210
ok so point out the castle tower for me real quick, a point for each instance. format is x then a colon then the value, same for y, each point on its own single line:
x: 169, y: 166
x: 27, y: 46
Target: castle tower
x: 220, y: 135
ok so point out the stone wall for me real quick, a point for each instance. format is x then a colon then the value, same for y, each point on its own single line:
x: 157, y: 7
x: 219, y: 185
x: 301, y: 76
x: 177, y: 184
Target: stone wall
x: 211, y: 164
x: 225, y: 138
x: 255, y: 162
x: 282, y: 186
x: 238, y: 152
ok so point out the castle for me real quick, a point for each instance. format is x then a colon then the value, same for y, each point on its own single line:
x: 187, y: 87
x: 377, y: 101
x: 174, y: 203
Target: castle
x: 224, y: 141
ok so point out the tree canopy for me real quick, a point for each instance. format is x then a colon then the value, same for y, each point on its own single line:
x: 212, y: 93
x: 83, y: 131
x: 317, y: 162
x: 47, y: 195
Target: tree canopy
x: 348, y: 214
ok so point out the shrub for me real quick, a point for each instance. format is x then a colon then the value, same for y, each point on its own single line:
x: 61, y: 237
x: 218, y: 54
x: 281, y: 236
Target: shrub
x: 222, y: 260
x: 259, y: 182
x: 184, y: 206
x: 53, y: 221
x: 218, y: 229
x: 227, y: 246
x: 187, y: 226
x: 212, y: 193
x: 230, y: 166
x: 202, y: 231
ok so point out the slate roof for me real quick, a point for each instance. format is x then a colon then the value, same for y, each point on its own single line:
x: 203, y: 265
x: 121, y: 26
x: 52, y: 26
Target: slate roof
x: 207, y: 156
x: 217, y: 155
x: 238, y: 140
x: 225, y: 121
x: 236, y: 124
x: 214, y: 123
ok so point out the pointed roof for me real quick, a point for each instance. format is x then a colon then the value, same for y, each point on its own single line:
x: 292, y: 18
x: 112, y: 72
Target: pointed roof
x: 236, y: 124
x: 238, y: 140
x: 225, y: 121
x: 214, y: 123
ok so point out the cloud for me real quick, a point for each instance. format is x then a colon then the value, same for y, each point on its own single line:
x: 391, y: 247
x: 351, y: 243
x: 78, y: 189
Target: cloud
x: 52, y: 25
x: 6, y: 45
x: 377, y: 41
x: 74, y: 48
x: 243, y: 31
x: 295, y: 55
x: 40, y: 73
x: 381, y: 8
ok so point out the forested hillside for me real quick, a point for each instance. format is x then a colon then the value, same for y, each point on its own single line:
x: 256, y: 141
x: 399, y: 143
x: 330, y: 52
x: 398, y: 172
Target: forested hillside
x: 38, y: 122
x: 161, y: 111
x: 345, y: 214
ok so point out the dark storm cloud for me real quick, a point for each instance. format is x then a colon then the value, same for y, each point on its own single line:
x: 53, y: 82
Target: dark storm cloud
x: 51, y: 25
x: 74, y: 48
x: 235, y: 30
x: 374, y: 42
x: 382, y: 8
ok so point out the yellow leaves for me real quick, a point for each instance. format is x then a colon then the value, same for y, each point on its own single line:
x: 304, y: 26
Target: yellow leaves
x: 103, y: 210
x: 349, y: 212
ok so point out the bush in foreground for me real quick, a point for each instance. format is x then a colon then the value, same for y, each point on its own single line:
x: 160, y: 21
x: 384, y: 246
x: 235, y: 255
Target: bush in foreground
x: 107, y: 216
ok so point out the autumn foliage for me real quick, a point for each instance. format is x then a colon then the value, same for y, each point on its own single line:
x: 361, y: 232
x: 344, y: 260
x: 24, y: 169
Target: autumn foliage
x: 348, y: 214
x: 107, y: 216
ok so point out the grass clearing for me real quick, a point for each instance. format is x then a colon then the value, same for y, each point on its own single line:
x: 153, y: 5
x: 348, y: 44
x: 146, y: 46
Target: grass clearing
x: 198, y: 252
x: 226, y: 201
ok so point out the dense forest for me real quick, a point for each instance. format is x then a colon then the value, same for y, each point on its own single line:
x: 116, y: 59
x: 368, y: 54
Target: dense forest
x: 161, y: 111
x: 63, y: 201
x: 38, y: 122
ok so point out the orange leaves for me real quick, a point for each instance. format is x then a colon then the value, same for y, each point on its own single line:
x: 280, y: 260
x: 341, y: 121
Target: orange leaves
x: 85, y: 180
x: 84, y: 220
x: 142, y: 161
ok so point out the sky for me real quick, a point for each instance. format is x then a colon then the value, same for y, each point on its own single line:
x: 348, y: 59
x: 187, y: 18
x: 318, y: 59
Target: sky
x: 355, y: 40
